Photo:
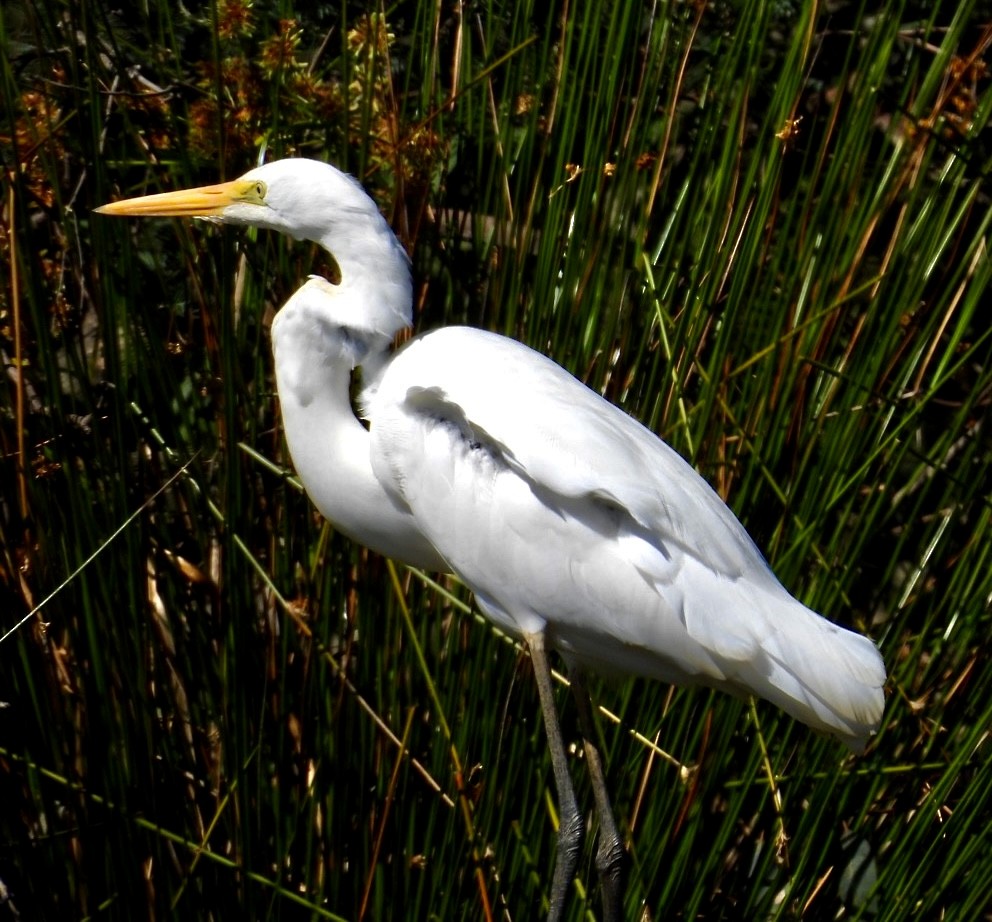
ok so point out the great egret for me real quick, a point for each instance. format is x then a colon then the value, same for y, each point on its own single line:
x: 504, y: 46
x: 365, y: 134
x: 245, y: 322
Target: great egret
x: 574, y: 525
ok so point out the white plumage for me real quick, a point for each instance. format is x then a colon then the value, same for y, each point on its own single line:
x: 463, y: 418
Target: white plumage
x: 564, y: 514
x: 573, y: 524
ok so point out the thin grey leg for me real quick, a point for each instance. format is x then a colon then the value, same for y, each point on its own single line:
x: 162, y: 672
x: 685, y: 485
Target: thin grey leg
x: 611, y: 857
x: 571, y: 827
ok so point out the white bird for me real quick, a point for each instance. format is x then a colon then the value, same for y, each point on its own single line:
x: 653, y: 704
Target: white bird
x: 576, y: 528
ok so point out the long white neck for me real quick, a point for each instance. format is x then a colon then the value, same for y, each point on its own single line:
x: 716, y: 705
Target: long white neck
x: 315, y: 353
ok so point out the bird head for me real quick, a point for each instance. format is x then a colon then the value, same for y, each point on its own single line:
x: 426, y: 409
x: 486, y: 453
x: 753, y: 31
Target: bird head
x: 306, y: 200
x: 297, y: 197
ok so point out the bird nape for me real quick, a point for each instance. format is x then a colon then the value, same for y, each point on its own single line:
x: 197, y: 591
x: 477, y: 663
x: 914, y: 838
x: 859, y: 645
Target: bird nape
x: 577, y: 528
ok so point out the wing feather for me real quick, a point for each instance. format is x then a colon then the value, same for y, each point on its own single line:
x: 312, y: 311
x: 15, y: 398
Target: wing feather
x: 571, y: 441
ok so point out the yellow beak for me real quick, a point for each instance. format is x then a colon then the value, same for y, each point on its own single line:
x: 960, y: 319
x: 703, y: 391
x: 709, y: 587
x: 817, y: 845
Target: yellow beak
x: 202, y: 202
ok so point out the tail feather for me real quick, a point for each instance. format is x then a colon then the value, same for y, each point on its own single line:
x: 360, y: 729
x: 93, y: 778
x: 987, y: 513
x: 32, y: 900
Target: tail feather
x: 823, y: 675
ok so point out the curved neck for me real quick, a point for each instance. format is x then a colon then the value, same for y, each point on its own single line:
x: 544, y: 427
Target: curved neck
x: 314, y: 358
x: 375, y: 294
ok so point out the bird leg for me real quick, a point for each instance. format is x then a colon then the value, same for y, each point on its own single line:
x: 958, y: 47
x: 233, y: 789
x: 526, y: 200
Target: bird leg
x: 570, y: 823
x: 611, y: 857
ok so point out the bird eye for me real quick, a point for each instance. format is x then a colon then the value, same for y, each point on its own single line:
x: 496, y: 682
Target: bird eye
x: 250, y: 191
